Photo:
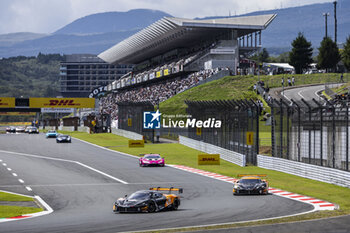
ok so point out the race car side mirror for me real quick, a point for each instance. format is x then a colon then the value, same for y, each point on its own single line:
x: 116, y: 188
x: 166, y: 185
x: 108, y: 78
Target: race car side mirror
x: 125, y: 195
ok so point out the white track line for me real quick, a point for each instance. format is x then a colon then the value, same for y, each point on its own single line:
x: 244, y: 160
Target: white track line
x: 28, y: 188
x: 65, y: 160
x: 4, y: 164
x: 21, y: 181
x: 14, y: 174
x: 9, y: 169
x: 114, y: 151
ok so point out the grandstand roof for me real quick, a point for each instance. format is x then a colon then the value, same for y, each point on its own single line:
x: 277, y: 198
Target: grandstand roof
x: 170, y: 33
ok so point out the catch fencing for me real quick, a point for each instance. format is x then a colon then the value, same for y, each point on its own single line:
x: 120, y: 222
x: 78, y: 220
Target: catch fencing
x: 237, y: 117
x: 130, y: 117
x: 311, y: 132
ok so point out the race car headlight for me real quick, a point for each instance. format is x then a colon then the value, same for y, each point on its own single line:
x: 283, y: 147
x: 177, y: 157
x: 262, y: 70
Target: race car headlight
x: 145, y: 161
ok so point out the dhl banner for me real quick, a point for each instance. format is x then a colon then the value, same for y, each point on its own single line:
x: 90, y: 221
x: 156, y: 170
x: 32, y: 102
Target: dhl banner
x: 17, y: 113
x: 136, y: 143
x: 7, y: 102
x: 61, y: 102
x: 209, y: 159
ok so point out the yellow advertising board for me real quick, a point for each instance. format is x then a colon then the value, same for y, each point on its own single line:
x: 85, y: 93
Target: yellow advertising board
x: 17, y: 113
x: 7, y: 102
x: 250, y: 138
x: 136, y: 143
x: 198, y: 131
x: 61, y: 102
x: 208, y: 159
x: 159, y: 74
x: 129, y: 121
x: 166, y: 72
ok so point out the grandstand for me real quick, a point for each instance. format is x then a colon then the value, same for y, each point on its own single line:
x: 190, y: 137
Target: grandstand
x: 174, y: 54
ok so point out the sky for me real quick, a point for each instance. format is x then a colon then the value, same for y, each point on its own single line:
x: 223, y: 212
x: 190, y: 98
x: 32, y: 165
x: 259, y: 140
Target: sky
x: 47, y: 16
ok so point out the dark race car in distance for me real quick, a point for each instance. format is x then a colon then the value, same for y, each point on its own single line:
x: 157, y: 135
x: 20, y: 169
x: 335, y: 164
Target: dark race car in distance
x: 32, y: 129
x: 11, y: 129
x: 250, y: 184
x: 150, y: 201
x: 63, y: 138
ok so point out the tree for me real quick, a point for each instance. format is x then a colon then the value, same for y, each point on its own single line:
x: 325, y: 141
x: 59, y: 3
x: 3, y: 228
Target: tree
x: 301, y: 55
x: 328, y: 56
x: 346, y: 54
x: 264, y: 55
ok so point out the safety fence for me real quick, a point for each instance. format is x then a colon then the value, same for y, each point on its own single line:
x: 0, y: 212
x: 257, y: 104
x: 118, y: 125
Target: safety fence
x: 311, y: 132
x: 130, y: 117
x: 228, y: 155
x: 314, y: 172
x: 239, y: 124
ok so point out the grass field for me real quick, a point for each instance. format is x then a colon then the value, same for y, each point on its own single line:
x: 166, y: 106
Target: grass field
x: 179, y: 154
x: 7, y: 211
x: 239, y: 87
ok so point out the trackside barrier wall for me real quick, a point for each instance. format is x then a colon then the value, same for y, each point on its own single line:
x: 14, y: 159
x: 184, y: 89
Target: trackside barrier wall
x: 66, y: 128
x: 84, y: 129
x: 314, y: 172
x: 228, y: 155
x: 127, y: 134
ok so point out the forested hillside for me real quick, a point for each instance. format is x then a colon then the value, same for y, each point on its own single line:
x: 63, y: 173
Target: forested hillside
x: 30, y: 76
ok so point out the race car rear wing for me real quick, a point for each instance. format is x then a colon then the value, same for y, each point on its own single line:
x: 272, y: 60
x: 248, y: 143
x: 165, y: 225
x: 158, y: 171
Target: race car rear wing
x: 180, y: 190
x: 257, y: 175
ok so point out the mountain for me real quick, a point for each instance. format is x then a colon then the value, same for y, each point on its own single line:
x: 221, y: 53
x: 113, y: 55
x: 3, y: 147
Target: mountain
x: 95, y: 33
x: 91, y: 34
x: 13, y: 38
x: 112, y: 22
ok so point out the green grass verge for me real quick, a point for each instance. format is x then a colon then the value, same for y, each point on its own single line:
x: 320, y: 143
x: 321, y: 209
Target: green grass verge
x: 239, y: 87
x: 13, y: 197
x: 179, y: 154
x: 13, y: 211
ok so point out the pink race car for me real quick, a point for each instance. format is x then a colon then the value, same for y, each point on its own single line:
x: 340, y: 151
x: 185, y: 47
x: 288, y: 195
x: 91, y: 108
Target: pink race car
x: 151, y: 160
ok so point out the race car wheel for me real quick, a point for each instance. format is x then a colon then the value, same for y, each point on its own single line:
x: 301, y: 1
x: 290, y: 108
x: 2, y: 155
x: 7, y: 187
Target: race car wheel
x: 151, y: 207
x: 176, y: 204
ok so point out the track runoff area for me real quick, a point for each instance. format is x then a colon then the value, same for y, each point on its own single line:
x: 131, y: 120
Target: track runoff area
x: 80, y: 182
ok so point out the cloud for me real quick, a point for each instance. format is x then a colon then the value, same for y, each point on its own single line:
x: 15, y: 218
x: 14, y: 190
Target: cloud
x: 46, y: 16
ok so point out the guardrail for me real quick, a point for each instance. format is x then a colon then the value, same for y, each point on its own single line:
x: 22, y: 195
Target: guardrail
x: 228, y: 155
x: 127, y: 134
x: 314, y: 172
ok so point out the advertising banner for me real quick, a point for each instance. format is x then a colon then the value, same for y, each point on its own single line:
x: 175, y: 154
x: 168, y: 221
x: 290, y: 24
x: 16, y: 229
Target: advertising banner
x: 57, y: 110
x: 17, y: 113
x: 159, y: 74
x: 166, y: 72
x: 136, y: 143
x: 61, y: 103
x: 209, y: 159
x: 7, y: 102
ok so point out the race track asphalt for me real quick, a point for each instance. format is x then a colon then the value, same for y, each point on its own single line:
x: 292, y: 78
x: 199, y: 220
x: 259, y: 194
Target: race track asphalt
x: 82, y: 194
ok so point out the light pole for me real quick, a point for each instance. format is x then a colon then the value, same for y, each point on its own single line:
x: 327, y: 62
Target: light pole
x: 325, y: 16
x: 335, y: 21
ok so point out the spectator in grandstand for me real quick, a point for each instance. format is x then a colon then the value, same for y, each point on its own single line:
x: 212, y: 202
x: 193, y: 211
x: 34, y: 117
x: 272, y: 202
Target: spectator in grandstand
x: 154, y: 93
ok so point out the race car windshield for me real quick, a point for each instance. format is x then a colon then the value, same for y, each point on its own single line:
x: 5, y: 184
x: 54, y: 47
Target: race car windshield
x: 139, y: 195
x: 52, y: 131
x: 249, y: 181
x: 152, y: 156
